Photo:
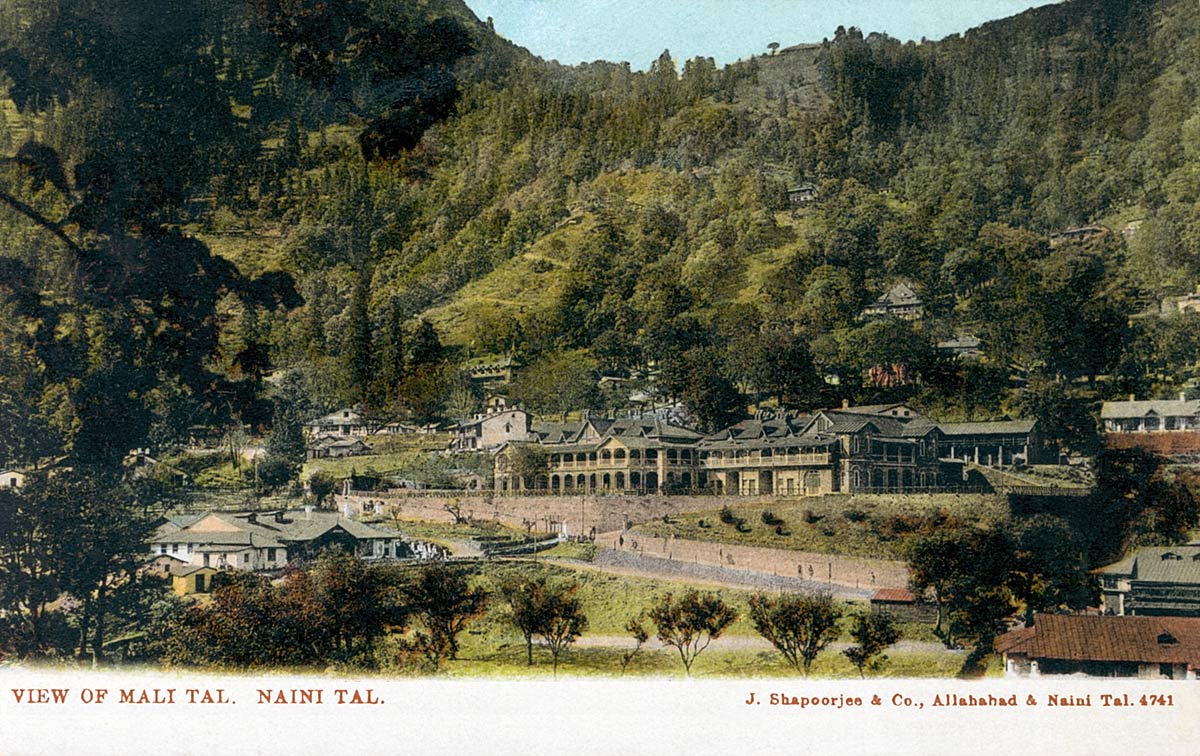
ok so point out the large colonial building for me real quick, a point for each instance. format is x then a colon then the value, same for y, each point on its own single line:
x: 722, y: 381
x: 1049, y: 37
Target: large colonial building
x: 604, y: 454
x: 877, y: 448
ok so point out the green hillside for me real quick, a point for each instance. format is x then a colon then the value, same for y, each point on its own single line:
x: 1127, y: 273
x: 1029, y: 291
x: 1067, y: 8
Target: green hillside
x: 454, y: 197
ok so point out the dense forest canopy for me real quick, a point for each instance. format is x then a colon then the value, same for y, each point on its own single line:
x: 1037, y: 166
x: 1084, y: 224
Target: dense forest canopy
x: 370, y: 194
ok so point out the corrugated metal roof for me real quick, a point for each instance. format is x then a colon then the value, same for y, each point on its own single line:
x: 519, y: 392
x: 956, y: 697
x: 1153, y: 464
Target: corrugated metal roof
x: 998, y: 427
x: 1074, y: 637
x: 1160, y: 564
x: 895, y: 595
x: 1160, y: 407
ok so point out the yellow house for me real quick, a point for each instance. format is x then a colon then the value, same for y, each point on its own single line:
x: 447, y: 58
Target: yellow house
x: 190, y: 579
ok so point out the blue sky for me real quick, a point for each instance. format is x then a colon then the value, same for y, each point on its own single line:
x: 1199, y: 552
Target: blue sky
x: 572, y: 31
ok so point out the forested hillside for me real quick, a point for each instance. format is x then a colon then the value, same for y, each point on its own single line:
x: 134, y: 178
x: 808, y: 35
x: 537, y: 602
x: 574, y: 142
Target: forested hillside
x: 368, y: 194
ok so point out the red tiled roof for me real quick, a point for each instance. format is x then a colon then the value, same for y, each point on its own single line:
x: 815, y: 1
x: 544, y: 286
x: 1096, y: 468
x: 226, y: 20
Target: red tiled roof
x: 895, y: 595
x: 1076, y: 637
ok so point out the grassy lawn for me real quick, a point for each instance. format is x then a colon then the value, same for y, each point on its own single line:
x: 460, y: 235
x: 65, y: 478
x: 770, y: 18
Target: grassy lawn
x: 509, y: 660
x: 365, y: 464
x: 610, y: 601
x: 869, y: 526
x: 492, y: 646
x: 403, y: 456
x: 582, y: 552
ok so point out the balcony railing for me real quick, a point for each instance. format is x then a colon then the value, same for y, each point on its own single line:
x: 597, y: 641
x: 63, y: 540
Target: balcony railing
x: 755, y: 460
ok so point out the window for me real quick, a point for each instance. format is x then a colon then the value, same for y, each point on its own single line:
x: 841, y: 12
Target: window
x: 270, y: 555
x: 200, y: 583
x: 174, y: 548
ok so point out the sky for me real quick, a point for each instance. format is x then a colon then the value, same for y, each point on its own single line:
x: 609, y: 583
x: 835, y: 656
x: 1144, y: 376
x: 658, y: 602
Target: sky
x: 574, y: 31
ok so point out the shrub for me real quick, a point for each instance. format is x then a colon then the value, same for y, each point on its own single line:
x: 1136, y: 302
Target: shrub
x: 810, y: 517
x: 727, y: 516
x: 780, y: 530
x: 854, y: 515
x: 769, y: 518
x: 743, y: 527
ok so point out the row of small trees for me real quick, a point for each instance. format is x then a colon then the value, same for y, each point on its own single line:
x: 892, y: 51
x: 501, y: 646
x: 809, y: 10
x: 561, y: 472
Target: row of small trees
x: 340, y: 608
x: 799, y: 625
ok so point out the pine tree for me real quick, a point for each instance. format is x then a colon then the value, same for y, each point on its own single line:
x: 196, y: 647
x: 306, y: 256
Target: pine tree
x: 391, y: 352
x: 426, y: 348
x: 360, y: 355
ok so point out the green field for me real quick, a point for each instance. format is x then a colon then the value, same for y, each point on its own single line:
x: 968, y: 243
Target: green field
x: 864, y: 526
x: 492, y: 646
x: 403, y: 456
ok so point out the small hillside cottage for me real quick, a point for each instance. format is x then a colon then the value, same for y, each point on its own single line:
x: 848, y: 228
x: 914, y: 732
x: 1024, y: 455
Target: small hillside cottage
x: 1147, y: 648
x: 903, y: 603
x: 498, y: 425
x: 190, y: 579
x: 900, y: 301
x: 1170, y: 427
x: 1153, y: 581
x: 12, y: 479
x: 344, y: 422
x: 337, y: 446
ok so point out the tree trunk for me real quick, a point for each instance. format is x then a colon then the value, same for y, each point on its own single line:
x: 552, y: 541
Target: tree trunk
x: 529, y: 650
x: 84, y: 622
x: 98, y: 636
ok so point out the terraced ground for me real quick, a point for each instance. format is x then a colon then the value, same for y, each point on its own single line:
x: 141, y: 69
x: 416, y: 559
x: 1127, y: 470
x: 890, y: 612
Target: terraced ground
x: 868, y: 526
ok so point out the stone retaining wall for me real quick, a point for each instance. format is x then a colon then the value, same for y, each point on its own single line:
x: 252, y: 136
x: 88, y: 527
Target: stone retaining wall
x: 609, y: 516
x: 578, y: 513
x: 853, y: 572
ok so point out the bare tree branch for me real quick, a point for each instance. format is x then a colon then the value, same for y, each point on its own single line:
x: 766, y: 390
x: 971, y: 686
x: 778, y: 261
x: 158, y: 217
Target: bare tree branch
x: 41, y: 220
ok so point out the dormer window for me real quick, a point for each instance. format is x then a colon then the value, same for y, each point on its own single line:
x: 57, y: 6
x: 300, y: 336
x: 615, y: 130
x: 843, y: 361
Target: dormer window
x: 1171, y: 556
x: 1166, y: 639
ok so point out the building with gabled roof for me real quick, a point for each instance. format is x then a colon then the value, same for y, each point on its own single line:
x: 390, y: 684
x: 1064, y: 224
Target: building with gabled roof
x: 347, y: 421
x: 900, y: 301
x: 1170, y: 427
x: 1153, y: 581
x: 497, y: 425
x: 1148, y: 648
x: 993, y: 443
x: 962, y: 346
x: 270, y: 540
x: 605, y: 454
x: 12, y: 479
x: 874, y: 448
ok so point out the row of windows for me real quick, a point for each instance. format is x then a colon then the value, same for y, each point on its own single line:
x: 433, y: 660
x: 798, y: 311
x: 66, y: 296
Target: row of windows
x: 681, y: 455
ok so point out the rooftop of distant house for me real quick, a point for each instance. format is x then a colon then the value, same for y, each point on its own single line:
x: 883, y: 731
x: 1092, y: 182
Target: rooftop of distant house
x: 1161, y: 407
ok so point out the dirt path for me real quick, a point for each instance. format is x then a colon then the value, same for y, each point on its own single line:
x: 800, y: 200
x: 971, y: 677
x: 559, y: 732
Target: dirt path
x: 751, y: 642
